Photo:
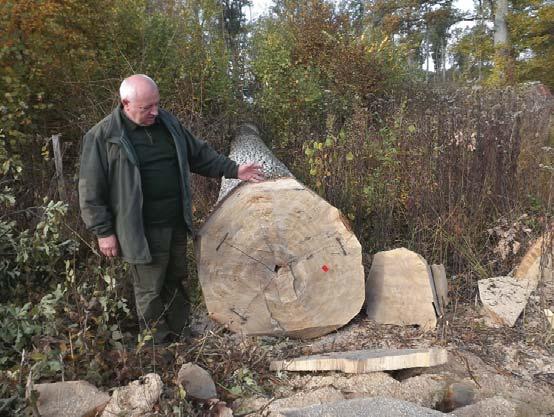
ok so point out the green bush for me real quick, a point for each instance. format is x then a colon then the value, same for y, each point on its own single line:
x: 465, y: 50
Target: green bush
x: 20, y: 324
x: 31, y: 258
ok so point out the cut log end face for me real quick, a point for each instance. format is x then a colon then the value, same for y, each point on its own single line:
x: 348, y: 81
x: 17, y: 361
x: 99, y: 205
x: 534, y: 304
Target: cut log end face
x: 277, y: 259
x: 398, y: 290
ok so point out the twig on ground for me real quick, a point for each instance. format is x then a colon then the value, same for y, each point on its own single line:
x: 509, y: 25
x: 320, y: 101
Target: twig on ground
x: 468, y: 368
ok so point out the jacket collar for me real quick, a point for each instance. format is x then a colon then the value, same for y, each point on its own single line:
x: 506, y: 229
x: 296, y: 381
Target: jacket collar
x: 118, y: 126
x: 115, y: 128
x: 118, y: 134
x: 128, y: 124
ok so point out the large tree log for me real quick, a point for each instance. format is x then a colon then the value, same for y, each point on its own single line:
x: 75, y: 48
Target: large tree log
x: 274, y: 258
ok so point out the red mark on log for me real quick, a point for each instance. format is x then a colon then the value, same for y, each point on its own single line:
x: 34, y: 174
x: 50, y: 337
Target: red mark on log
x: 325, y: 268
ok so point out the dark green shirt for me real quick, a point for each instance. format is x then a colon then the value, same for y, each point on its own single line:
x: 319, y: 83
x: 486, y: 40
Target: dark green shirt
x: 159, y: 172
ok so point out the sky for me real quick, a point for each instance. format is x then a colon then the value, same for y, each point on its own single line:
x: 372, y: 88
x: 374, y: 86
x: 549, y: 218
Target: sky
x: 259, y: 7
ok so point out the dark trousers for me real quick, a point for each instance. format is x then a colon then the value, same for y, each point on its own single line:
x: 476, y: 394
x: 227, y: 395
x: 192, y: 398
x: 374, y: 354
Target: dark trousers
x: 159, y: 294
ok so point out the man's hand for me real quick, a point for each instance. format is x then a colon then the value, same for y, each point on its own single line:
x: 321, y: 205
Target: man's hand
x: 109, y: 246
x: 251, y: 172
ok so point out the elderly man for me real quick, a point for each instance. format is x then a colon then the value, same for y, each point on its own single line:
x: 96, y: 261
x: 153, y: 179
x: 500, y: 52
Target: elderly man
x: 134, y: 195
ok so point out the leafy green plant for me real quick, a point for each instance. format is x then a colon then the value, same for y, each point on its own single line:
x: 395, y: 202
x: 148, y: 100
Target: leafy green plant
x: 244, y: 383
x: 32, y: 256
x: 19, y: 324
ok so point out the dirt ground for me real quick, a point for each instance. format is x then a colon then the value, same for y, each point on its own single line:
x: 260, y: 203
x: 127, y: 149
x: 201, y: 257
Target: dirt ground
x: 511, y: 368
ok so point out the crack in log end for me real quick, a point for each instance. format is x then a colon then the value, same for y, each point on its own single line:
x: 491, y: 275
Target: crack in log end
x: 295, y: 282
x: 277, y: 328
x: 276, y: 325
x: 341, y: 246
x: 285, y: 285
x: 242, y: 317
x: 251, y: 257
x: 221, y: 243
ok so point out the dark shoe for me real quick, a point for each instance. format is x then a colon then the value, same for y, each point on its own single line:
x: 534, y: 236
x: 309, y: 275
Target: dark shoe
x: 183, y: 336
x: 166, y: 340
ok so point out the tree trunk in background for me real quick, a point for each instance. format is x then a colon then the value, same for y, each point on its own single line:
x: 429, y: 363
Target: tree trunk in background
x: 234, y: 21
x: 500, y: 25
x: 504, y: 65
x: 482, y: 24
x: 274, y: 258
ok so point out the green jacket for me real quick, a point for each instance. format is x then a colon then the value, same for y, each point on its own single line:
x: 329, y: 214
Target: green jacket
x: 110, y: 193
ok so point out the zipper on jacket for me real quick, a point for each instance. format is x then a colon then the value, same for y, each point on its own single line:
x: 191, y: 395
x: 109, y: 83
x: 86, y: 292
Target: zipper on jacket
x: 129, y: 150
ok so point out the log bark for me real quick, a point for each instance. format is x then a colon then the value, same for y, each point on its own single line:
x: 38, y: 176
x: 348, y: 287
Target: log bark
x: 274, y: 258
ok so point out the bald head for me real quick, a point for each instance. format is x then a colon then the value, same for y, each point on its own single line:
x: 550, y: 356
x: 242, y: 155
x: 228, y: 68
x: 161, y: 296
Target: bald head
x: 135, y: 85
x: 140, y: 99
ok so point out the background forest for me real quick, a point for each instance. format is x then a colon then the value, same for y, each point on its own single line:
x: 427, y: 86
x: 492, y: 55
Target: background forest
x: 425, y: 134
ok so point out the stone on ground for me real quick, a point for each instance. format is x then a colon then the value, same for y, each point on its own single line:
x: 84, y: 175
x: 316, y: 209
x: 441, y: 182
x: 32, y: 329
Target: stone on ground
x: 273, y: 408
x: 362, y: 361
x: 366, y: 383
x: 504, y: 298
x: 69, y: 399
x: 425, y: 390
x: 491, y: 407
x: 364, y: 407
x: 197, y: 382
x: 135, y: 399
x: 399, y: 289
x: 304, y: 399
x: 220, y: 409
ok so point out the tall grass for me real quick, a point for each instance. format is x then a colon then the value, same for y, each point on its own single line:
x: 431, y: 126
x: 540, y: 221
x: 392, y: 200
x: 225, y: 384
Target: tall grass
x: 440, y: 172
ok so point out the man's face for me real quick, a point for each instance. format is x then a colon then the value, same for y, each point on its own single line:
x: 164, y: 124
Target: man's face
x: 143, y: 109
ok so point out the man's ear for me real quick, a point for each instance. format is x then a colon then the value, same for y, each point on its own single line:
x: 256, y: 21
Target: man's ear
x: 124, y: 102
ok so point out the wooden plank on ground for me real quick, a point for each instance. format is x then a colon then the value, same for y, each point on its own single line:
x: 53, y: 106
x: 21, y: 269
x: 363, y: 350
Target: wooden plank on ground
x: 363, y: 361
